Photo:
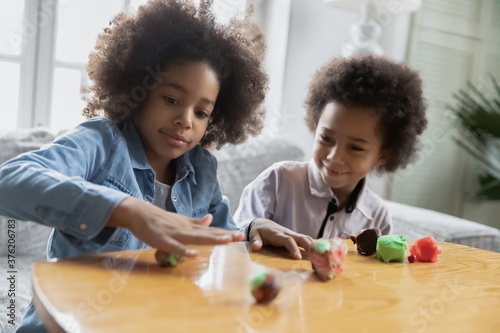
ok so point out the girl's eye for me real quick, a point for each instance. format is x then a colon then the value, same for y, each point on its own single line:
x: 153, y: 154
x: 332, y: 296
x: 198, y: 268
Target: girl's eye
x: 201, y: 114
x: 356, y: 148
x: 169, y: 100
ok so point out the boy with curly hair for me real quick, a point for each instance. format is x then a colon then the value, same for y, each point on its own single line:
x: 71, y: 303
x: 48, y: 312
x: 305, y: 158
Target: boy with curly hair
x: 366, y: 114
x: 170, y: 82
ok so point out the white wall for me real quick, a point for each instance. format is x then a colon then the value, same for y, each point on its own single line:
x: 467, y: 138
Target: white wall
x: 316, y: 32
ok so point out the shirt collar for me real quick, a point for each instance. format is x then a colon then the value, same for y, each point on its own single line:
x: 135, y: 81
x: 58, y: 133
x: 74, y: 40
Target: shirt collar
x: 185, y: 167
x: 355, y: 196
x: 316, y: 184
x: 319, y: 189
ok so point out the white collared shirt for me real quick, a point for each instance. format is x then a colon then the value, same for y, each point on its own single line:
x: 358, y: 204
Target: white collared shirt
x: 294, y: 195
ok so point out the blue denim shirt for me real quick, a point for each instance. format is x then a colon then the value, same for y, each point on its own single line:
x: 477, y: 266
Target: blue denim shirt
x: 75, y: 183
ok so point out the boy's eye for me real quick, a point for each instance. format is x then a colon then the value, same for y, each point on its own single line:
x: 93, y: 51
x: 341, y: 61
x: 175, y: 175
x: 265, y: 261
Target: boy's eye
x: 169, y: 100
x: 325, y: 138
x: 356, y: 148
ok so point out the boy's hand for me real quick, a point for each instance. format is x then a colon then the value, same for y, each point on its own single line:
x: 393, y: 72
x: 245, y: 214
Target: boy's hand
x: 264, y: 232
x: 168, y: 231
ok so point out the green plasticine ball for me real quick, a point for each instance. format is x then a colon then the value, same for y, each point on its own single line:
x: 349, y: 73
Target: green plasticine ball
x: 391, y: 248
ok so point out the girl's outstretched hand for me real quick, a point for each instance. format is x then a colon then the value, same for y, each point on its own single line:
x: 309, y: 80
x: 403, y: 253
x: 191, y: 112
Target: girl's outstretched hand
x: 264, y: 232
x: 166, y: 231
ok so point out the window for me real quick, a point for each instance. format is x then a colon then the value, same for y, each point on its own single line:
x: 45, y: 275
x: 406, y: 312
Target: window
x: 69, y: 58
x: 44, y: 47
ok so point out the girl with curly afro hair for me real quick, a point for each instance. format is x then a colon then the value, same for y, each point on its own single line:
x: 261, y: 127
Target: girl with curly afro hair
x: 167, y: 83
x: 366, y: 113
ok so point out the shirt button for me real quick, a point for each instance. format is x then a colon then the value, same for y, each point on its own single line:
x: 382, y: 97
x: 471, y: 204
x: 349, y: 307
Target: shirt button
x: 83, y: 226
x: 174, y: 198
x: 331, y: 217
x: 150, y: 174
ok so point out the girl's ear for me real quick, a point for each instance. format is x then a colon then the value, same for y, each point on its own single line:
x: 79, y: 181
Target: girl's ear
x: 383, y: 157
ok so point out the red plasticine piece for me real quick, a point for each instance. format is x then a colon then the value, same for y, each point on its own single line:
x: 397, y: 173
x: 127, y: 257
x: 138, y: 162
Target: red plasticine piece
x: 425, y: 249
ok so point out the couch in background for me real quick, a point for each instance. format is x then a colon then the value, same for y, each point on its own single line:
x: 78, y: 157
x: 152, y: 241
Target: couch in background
x: 237, y: 167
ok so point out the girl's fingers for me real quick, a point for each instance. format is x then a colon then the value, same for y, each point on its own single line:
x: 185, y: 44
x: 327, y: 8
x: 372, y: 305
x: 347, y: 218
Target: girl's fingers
x: 237, y: 236
x: 204, y: 221
x: 207, y: 237
x: 172, y: 246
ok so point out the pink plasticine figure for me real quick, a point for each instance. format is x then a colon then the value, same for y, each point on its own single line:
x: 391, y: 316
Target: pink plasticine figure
x: 327, y: 257
x: 425, y: 249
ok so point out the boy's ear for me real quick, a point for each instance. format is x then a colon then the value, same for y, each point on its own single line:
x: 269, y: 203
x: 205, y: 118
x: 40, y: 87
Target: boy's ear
x: 383, y: 157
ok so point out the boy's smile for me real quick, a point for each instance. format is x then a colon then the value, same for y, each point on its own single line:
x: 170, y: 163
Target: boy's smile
x: 176, y: 113
x: 347, y: 145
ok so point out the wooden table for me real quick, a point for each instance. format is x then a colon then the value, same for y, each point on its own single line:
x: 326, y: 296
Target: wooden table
x: 128, y: 292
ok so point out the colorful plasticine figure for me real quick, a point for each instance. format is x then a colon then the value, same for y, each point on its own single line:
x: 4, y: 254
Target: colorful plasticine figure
x: 366, y: 241
x: 264, y: 287
x: 425, y: 249
x: 327, y: 257
x: 165, y: 259
x: 391, y: 248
